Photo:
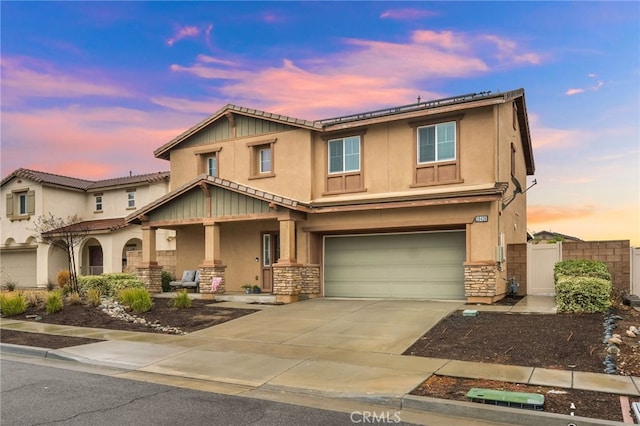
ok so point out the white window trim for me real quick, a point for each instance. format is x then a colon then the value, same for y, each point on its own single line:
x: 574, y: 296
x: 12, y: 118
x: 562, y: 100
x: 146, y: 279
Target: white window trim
x: 344, y: 156
x: 455, y: 142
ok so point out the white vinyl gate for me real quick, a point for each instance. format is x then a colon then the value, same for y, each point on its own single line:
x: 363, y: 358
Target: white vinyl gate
x: 541, y: 259
x: 635, y: 270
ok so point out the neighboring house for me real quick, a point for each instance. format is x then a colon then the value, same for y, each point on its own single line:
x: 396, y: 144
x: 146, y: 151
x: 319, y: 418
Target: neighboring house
x: 102, y: 206
x: 552, y: 236
x: 417, y: 201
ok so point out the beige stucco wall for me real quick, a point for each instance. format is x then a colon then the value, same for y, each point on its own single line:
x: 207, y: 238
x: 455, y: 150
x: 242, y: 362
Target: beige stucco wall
x: 291, y: 163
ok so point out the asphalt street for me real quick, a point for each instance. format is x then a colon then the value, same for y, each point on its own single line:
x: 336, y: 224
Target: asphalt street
x: 44, y: 395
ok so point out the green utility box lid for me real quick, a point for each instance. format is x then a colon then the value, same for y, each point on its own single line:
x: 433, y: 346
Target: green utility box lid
x: 506, y: 398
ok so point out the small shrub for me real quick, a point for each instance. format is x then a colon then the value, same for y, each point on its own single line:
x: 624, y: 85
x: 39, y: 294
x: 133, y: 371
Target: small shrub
x: 94, y: 297
x: 166, y: 279
x: 32, y: 298
x: 581, y: 268
x: 53, y: 302
x: 109, y: 284
x: 63, y: 278
x: 12, y: 304
x: 582, y: 294
x: 138, y: 299
x: 49, y: 286
x: 181, y: 300
x: 74, y: 299
x: 10, y: 285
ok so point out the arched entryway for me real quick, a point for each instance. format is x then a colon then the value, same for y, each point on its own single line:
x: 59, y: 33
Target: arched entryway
x: 92, y: 258
x: 134, y: 244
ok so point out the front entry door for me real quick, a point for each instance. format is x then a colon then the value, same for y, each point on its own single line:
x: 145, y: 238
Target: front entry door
x: 270, y: 255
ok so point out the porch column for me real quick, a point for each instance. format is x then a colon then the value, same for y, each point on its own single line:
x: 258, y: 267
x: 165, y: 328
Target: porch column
x: 148, y: 245
x: 149, y: 271
x: 212, y: 244
x: 287, y: 241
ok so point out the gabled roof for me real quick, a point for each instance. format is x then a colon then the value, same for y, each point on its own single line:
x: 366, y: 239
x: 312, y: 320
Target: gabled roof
x: 205, y: 179
x: 470, y: 100
x: 90, y: 226
x: 67, y: 182
x: 50, y: 179
x: 229, y: 109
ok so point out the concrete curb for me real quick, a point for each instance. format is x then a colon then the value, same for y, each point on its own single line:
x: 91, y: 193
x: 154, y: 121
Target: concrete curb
x: 59, y: 355
x: 497, y: 414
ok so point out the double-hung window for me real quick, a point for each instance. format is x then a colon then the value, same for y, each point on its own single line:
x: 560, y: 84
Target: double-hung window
x: 344, y: 155
x: 212, y: 166
x: 437, y: 142
x: 131, y: 199
x: 265, y: 160
x: 98, y: 200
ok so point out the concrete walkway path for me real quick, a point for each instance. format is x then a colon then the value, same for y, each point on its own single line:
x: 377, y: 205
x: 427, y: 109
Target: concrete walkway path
x: 322, y: 347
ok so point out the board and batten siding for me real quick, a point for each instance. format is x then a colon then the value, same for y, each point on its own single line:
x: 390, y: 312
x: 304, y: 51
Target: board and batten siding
x: 221, y: 130
x: 224, y: 203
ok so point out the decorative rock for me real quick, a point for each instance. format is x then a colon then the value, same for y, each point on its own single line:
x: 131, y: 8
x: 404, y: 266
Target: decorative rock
x: 631, y: 333
x: 615, y: 340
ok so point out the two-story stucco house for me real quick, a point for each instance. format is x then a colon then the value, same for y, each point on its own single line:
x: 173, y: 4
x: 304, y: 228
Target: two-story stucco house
x: 417, y: 201
x: 101, y: 205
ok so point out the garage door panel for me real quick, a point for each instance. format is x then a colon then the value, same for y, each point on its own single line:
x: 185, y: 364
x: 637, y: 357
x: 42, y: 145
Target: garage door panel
x: 20, y: 267
x: 417, y: 265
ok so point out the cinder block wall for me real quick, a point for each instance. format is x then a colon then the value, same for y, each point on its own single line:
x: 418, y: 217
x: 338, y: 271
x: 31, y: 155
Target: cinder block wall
x: 615, y: 254
x: 165, y: 258
x: 517, y: 265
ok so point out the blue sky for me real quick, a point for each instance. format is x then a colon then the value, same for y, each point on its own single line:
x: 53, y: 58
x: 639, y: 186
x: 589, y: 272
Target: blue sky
x: 90, y: 89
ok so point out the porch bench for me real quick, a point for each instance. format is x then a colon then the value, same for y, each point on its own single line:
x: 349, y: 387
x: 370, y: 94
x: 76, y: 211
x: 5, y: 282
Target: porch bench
x: 190, y: 279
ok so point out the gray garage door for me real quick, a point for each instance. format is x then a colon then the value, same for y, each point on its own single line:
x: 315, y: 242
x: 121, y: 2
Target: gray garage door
x: 19, y: 267
x: 411, y: 266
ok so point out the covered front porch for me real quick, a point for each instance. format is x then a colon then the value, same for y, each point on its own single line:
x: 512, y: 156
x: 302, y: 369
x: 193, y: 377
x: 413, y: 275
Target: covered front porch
x: 234, y: 235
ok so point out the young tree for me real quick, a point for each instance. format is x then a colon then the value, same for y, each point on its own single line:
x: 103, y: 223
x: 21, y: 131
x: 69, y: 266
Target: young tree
x: 65, y: 234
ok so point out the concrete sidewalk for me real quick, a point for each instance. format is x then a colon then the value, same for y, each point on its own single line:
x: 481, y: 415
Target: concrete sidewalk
x: 323, y: 348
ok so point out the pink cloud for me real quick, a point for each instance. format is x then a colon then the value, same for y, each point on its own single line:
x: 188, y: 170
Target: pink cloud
x: 25, y: 78
x: 89, y: 142
x: 571, y: 92
x: 185, y: 32
x: 408, y: 14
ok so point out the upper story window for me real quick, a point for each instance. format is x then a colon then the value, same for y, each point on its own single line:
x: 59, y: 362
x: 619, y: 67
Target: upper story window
x: 212, y: 165
x: 437, y: 142
x: 265, y: 160
x: 344, y: 163
x: 437, y: 160
x: 20, y: 204
x: 262, y: 157
x: 344, y: 155
x: 131, y: 199
x: 98, y: 200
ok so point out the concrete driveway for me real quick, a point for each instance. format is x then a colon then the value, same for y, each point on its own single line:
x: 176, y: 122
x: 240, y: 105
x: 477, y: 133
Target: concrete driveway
x: 366, y: 325
x: 333, y: 347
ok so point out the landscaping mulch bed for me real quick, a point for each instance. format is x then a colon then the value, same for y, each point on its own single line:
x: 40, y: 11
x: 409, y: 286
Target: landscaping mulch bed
x: 562, y: 341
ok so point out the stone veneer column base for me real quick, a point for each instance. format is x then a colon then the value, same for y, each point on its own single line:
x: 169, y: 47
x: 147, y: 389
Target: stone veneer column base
x: 207, y: 273
x: 293, y: 281
x: 480, y: 282
x: 151, y: 276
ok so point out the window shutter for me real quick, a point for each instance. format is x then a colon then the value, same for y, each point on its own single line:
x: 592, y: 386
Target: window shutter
x: 9, y: 205
x: 31, y: 202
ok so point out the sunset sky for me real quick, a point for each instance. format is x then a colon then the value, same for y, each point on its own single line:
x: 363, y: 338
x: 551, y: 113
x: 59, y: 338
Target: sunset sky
x: 90, y: 89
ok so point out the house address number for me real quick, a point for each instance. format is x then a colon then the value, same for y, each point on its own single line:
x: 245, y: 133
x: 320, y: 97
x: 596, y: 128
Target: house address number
x: 483, y: 218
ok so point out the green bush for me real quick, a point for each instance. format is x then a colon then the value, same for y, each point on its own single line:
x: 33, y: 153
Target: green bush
x: 181, y: 300
x: 581, y: 268
x: 138, y: 299
x: 166, y: 279
x: 109, y: 284
x: 582, y: 294
x: 93, y: 297
x: 12, y: 304
x: 53, y: 302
